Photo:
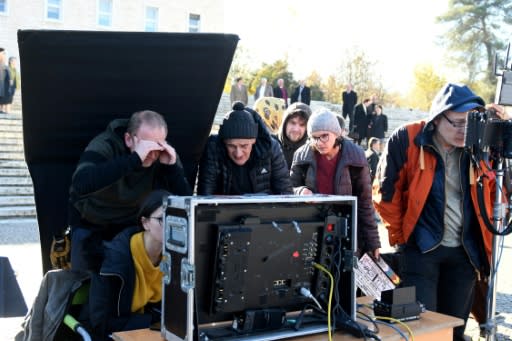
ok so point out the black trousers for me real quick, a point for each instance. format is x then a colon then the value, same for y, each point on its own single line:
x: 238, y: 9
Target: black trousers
x: 444, y: 280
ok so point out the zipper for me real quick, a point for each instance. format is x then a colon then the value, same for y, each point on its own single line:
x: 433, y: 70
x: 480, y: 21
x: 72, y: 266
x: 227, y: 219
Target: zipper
x: 120, y: 290
x: 439, y: 243
x: 463, y: 219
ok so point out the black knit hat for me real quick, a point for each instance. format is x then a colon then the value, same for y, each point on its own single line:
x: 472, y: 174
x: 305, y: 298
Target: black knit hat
x: 238, y: 124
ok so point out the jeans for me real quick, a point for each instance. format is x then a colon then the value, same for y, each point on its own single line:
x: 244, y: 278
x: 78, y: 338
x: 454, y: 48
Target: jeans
x: 444, y: 279
x: 86, y: 249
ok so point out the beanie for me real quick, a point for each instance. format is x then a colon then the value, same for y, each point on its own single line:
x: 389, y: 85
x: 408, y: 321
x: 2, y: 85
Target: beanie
x: 324, y: 120
x: 238, y: 124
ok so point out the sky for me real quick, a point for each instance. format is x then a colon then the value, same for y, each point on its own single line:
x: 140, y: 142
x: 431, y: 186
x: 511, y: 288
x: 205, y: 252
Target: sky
x: 316, y: 34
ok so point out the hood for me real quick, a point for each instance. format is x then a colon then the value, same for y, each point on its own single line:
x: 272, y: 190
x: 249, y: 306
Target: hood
x: 75, y: 82
x: 297, y: 107
x: 455, y: 97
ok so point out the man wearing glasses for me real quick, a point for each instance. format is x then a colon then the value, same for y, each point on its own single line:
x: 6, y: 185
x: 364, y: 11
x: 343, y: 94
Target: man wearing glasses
x: 425, y: 193
x: 330, y: 164
x: 116, y: 171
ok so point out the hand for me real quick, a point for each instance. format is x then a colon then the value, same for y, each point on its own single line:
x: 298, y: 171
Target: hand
x: 376, y: 254
x: 168, y: 154
x: 144, y: 147
x: 305, y: 191
x: 499, y: 110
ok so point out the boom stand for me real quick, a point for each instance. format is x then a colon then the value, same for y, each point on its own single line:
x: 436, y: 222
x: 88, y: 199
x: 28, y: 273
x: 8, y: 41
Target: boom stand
x: 498, y: 213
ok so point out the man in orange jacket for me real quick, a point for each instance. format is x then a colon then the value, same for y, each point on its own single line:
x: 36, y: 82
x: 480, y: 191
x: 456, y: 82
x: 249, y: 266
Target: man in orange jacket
x: 425, y: 194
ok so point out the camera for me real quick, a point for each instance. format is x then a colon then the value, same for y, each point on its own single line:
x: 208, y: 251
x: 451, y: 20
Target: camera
x: 485, y: 133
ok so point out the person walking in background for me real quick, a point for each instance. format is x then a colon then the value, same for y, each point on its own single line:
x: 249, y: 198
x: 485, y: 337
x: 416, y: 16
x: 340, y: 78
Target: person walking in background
x: 378, y: 125
x: 373, y: 103
x: 426, y: 194
x: 330, y: 164
x: 13, y: 84
x: 349, y: 99
x: 292, y: 133
x: 239, y: 92
x: 372, y: 155
x: 263, y: 90
x: 302, y: 93
x: 243, y: 158
x: 360, y: 126
x: 5, y: 82
x: 281, y: 92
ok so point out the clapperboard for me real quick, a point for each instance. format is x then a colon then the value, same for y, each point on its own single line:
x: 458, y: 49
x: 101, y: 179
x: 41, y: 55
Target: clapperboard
x: 374, y: 276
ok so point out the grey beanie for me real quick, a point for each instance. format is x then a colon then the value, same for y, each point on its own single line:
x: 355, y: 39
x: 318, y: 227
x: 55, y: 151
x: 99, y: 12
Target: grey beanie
x: 238, y: 124
x: 324, y: 120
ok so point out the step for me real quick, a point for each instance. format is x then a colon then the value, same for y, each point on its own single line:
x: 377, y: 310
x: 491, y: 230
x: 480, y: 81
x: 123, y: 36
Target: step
x: 16, y: 190
x: 13, y: 164
x: 10, y: 121
x: 18, y: 140
x: 16, y: 200
x: 11, y: 147
x: 10, y: 135
x: 15, y: 181
x: 12, y: 156
x: 21, y: 172
x: 17, y: 211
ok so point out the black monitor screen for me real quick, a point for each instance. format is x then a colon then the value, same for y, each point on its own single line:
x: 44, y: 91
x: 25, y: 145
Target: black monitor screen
x: 259, y: 256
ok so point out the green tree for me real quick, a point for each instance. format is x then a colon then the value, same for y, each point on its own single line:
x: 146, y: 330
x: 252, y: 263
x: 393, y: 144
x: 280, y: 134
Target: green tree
x: 239, y: 68
x: 332, y: 90
x: 314, y: 81
x: 279, y: 69
x: 426, y: 84
x: 475, y: 34
x: 359, y: 70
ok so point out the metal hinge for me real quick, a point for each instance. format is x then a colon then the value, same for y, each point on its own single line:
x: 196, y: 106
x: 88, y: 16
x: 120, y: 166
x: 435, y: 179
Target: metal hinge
x: 188, y: 275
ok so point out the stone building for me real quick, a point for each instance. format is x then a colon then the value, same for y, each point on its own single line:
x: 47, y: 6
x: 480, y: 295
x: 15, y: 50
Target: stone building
x: 108, y: 15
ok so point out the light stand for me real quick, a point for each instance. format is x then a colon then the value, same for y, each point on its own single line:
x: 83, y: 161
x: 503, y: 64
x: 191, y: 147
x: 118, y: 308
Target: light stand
x: 489, y: 326
x: 503, y: 97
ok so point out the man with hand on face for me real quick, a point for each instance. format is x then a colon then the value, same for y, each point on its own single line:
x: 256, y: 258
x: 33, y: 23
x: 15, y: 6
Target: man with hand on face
x: 116, y: 171
x: 243, y: 158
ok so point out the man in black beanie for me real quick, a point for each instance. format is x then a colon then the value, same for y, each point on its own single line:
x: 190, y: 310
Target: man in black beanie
x: 243, y: 158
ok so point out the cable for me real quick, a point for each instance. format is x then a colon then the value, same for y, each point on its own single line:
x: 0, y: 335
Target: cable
x: 305, y: 292
x: 399, y: 322
x: 369, y: 319
x: 331, y: 287
x: 390, y: 325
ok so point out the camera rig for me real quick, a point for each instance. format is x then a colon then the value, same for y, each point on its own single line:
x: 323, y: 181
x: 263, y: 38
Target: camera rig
x: 489, y: 141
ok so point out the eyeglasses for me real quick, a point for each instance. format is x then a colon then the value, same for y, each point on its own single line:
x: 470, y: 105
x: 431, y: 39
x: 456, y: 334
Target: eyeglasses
x: 322, y: 138
x: 456, y: 125
x: 160, y: 219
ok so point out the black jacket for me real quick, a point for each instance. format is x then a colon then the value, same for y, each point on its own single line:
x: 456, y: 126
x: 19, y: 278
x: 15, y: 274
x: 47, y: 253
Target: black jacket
x: 110, y: 182
x: 305, y: 95
x: 378, y: 126
x: 268, y: 169
x: 111, y: 292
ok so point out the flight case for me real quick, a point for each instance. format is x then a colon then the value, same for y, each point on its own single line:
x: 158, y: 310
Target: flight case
x: 234, y: 266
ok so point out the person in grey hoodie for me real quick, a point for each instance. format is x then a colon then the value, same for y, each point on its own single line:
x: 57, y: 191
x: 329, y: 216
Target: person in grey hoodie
x: 293, y: 133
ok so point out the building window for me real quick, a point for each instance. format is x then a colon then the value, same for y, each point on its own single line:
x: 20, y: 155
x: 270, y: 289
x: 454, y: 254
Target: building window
x: 3, y: 6
x: 151, y: 19
x: 194, y: 21
x: 105, y: 13
x: 53, y: 9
